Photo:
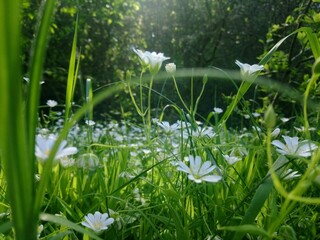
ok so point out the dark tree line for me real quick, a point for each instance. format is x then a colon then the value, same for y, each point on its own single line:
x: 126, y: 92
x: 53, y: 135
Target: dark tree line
x: 192, y: 33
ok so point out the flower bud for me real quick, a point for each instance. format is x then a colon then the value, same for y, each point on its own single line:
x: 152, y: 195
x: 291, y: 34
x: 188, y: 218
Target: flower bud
x: 170, y: 68
x: 270, y: 117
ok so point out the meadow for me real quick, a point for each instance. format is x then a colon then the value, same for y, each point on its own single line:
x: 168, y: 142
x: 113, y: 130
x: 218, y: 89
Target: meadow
x: 65, y: 175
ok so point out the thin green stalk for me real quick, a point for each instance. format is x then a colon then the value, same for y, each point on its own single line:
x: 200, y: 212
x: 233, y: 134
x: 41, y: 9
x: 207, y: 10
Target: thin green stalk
x: 179, y: 94
x: 139, y: 110
x: 305, y: 104
x: 149, y: 109
x: 90, y: 111
x: 205, y: 80
x: 141, y: 91
x: 191, y: 94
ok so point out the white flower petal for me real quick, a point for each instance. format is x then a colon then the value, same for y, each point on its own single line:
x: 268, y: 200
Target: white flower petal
x: 278, y: 144
x: 292, y: 143
x: 109, y: 221
x: 195, y: 163
x: 44, y: 146
x: 67, y: 151
x: 206, y: 168
x: 212, y: 178
x: 183, y: 167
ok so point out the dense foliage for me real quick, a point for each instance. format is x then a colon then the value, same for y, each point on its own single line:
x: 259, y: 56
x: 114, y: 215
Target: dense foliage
x: 193, y: 33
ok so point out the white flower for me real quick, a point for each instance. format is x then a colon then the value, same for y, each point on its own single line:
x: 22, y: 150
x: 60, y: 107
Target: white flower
x: 169, y: 128
x: 294, y: 148
x: 67, y: 161
x: 197, y: 171
x: 28, y: 80
x: 290, y: 174
x: 231, y: 159
x: 275, y: 133
x: 39, y: 231
x: 284, y: 120
x: 151, y: 59
x: 170, y: 67
x: 204, y: 132
x: 255, y: 114
x: 52, y: 103
x: 90, y: 122
x: 44, y: 146
x: 88, y: 160
x: 217, y: 110
x: 246, y: 116
x: 302, y: 129
x: 97, y: 222
x: 248, y: 70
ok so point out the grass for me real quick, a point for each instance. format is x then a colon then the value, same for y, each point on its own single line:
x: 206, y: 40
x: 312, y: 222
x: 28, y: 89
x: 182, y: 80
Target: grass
x: 130, y: 171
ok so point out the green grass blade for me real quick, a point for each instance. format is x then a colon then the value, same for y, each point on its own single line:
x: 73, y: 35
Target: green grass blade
x: 268, y: 56
x: 72, y: 77
x: 313, y: 41
x: 36, y: 67
x: 248, y: 228
x: 15, y: 154
x: 35, y: 71
x: 260, y: 196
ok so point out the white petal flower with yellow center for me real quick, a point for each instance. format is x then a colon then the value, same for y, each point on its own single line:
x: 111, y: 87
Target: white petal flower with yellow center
x: 248, y: 70
x: 198, y: 171
x: 97, y: 222
x: 44, y: 146
x: 152, y: 60
x: 293, y: 147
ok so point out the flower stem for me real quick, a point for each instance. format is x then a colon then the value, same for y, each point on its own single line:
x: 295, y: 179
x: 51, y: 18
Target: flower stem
x: 149, y: 109
x: 305, y: 105
x: 179, y: 94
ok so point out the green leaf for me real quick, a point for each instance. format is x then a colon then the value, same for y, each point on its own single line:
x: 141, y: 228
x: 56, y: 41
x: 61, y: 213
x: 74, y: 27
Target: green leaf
x: 248, y: 228
x: 18, y: 120
x: 5, y: 227
x: 287, y: 232
x: 313, y: 41
x: 260, y: 196
x: 72, y: 73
